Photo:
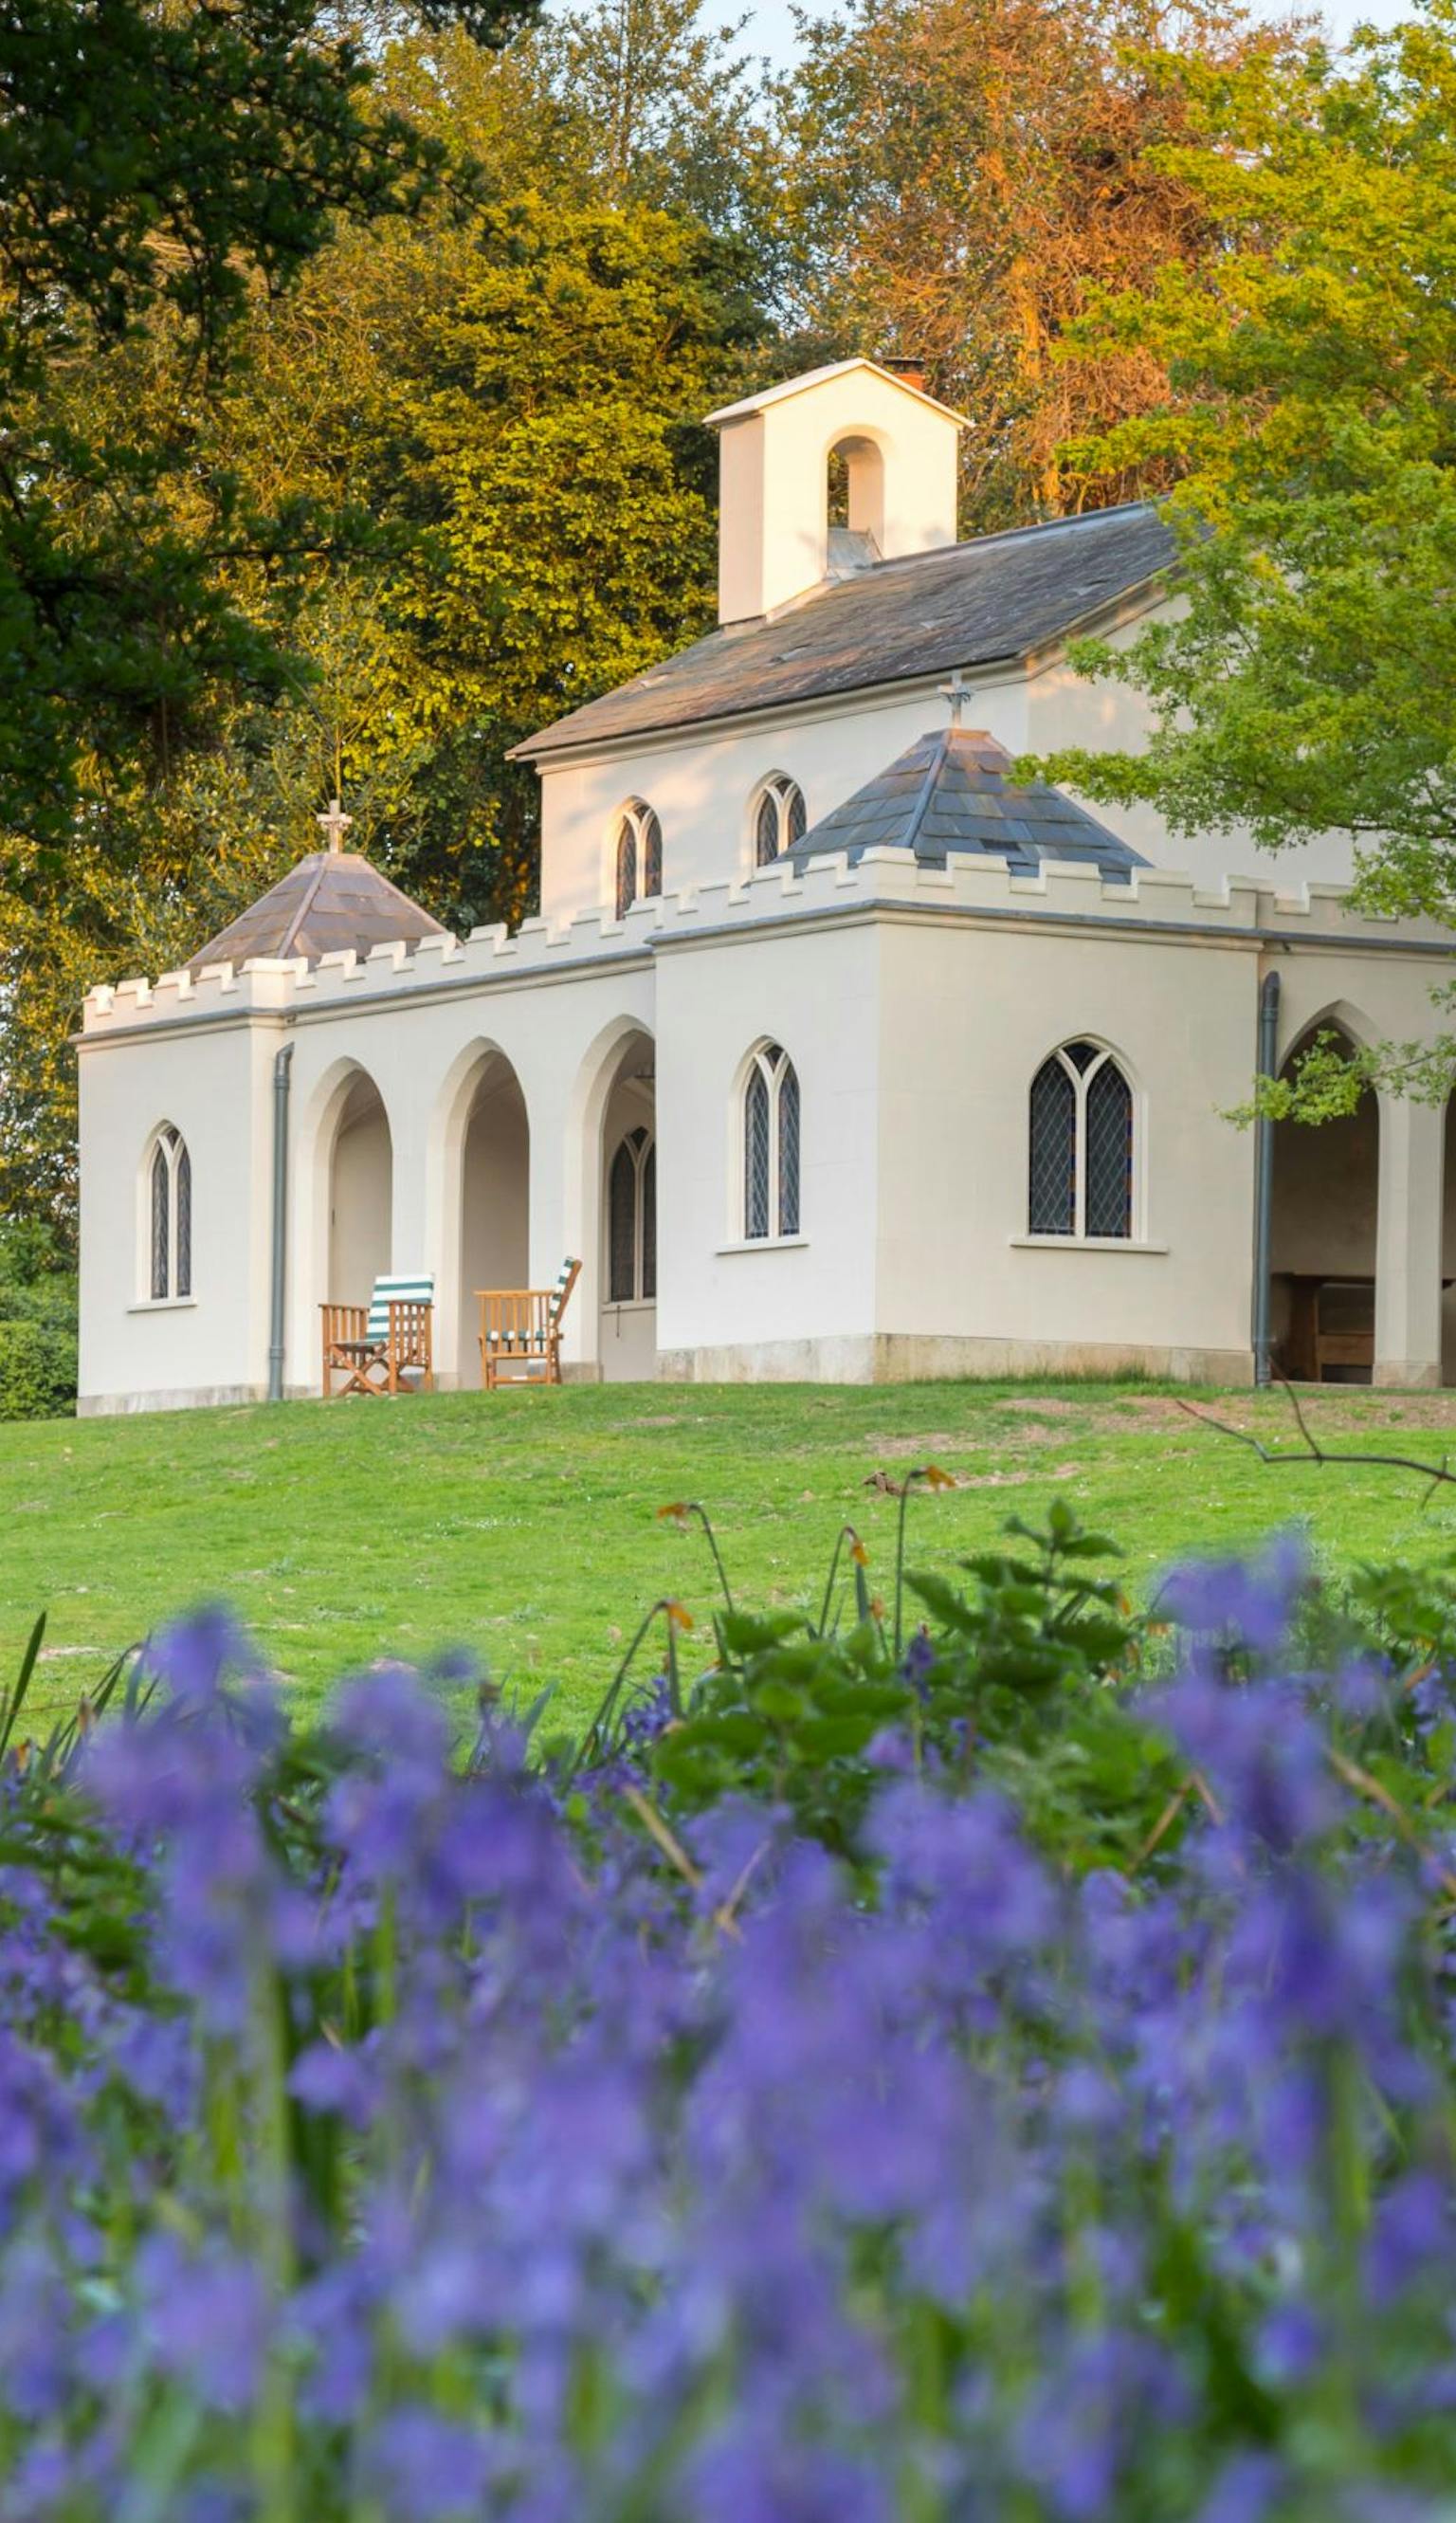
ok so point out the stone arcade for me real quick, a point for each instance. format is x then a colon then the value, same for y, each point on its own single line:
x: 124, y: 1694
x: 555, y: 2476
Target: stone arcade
x: 831, y: 1053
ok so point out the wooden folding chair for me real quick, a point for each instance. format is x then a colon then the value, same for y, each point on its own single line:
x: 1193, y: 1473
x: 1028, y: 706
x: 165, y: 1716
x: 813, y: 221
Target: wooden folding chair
x: 521, y: 1331
x: 383, y: 1346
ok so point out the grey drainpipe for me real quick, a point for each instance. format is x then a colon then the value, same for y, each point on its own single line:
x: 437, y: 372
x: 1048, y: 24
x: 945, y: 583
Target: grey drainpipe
x: 282, y: 1064
x: 1263, y: 1215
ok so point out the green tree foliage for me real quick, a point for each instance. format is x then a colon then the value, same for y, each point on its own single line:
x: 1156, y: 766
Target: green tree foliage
x: 160, y: 166
x: 528, y: 542
x: 959, y: 173
x: 1310, y: 684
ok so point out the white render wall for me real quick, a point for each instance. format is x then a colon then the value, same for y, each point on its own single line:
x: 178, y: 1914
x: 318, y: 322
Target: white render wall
x: 214, y: 1087
x: 915, y: 1004
x: 703, y: 783
x: 774, y: 457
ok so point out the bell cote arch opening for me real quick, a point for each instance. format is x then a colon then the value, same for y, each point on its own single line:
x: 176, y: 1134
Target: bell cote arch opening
x: 855, y: 502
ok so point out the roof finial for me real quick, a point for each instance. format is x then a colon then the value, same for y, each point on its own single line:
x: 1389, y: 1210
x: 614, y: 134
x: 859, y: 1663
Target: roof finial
x: 958, y: 692
x: 334, y: 825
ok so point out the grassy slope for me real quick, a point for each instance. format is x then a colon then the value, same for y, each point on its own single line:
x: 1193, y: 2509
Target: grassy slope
x: 522, y: 1526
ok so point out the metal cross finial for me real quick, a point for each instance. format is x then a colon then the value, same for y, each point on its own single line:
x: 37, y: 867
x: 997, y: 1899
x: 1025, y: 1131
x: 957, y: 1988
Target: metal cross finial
x: 958, y: 692
x: 334, y: 825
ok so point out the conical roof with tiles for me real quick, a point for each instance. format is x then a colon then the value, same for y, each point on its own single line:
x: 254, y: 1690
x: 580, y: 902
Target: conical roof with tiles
x: 950, y: 795
x: 331, y: 901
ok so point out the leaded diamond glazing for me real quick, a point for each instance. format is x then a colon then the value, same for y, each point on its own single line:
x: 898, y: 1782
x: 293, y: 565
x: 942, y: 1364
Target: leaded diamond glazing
x: 1054, y: 1151
x: 627, y: 868
x: 788, y: 1150
x: 649, y: 1223
x: 622, y: 1211
x: 184, y: 1221
x: 162, y: 1188
x: 756, y: 1153
x: 766, y: 837
x: 1108, y: 1152
x: 652, y: 855
x: 798, y: 816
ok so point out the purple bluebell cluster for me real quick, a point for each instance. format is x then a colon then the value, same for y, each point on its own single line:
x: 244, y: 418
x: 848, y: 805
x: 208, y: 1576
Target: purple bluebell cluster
x: 422, y: 2148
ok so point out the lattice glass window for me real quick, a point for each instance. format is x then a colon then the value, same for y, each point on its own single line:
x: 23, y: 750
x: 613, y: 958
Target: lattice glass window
x: 650, y: 1222
x: 756, y: 1129
x: 1108, y: 1127
x: 627, y: 866
x: 161, y: 1222
x: 639, y: 847
x: 169, y: 1181
x: 184, y: 1221
x: 1080, y: 1146
x: 1053, y: 1149
x: 788, y: 1149
x: 631, y: 1221
x: 779, y: 819
x: 621, y: 1228
x: 770, y: 1145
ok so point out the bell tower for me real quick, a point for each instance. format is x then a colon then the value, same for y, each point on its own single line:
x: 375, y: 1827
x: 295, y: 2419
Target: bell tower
x: 897, y: 447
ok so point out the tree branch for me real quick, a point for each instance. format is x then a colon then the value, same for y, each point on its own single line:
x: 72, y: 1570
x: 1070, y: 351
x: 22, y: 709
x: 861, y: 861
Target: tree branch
x: 1310, y: 1450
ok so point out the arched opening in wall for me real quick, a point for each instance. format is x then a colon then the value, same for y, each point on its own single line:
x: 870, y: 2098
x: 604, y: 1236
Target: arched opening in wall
x: 628, y: 1232
x: 495, y: 1199
x: 1323, y: 1247
x: 361, y: 1186
x: 854, y: 503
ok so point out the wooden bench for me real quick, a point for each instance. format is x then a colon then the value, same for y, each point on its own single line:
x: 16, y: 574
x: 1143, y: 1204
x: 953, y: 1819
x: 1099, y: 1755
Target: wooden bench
x: 383, y: 1346
x: 520, y: 1333
x: 1332, y: 1325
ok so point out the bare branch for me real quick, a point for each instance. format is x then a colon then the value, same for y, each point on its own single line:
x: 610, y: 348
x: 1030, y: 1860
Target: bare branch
x: 1310, y: 1450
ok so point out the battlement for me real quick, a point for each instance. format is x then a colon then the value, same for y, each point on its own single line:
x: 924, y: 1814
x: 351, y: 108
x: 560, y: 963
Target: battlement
x: 1155, y: 899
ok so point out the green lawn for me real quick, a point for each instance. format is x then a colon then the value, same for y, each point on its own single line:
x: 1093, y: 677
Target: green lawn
x: 522, y: 1528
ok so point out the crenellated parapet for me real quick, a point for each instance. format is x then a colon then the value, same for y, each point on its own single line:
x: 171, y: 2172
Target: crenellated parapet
x: 1152, y: 901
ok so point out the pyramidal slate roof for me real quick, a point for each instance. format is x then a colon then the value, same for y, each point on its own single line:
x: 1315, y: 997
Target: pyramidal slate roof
x: 949, y: 794
x: 970, y: 604
x: 332, y: 900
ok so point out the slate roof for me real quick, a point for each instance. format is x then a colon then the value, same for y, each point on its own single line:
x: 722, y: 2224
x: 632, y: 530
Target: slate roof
x: 970, y: 605
x: 948, y: 793
x: 332, y: 900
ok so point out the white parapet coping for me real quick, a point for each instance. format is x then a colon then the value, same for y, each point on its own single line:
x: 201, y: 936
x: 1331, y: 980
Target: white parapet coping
x: 1153, y: 899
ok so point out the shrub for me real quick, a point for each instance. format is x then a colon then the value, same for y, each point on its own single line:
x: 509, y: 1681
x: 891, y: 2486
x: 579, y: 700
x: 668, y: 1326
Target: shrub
x: 38, y: 1326
x: 390, y: 2134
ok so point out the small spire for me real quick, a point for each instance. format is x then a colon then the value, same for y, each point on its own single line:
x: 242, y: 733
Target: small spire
x: 958, y: 692
x: 334, y: 825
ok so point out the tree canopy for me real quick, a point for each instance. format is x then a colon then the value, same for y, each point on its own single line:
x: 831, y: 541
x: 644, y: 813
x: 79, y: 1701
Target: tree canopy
x: 1308, y: 682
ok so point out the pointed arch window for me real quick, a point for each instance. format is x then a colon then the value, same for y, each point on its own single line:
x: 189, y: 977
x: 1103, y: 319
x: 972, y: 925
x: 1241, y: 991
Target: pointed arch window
x: 770, y: 1145
x: 638, y: 855
x: 1081, y: 1168
x: 780, y: 817
x: 170, y: 1216
x: 631, y: 1221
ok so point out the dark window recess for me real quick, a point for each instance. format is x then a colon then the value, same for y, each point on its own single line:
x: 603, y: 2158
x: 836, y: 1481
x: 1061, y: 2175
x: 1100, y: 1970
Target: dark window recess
x: 766, y: 845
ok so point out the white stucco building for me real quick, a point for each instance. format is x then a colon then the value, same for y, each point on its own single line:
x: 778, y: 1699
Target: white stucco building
x: 830, y: 1054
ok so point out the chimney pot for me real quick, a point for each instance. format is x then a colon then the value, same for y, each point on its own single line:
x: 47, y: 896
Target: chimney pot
x: 910, y: 372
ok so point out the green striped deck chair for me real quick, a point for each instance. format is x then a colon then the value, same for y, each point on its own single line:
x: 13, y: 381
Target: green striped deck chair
x: 385, y: 1345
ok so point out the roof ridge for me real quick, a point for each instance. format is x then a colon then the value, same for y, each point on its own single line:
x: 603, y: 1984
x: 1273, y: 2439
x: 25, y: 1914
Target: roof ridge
x: 921, y: 807
x: 290, y: 934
